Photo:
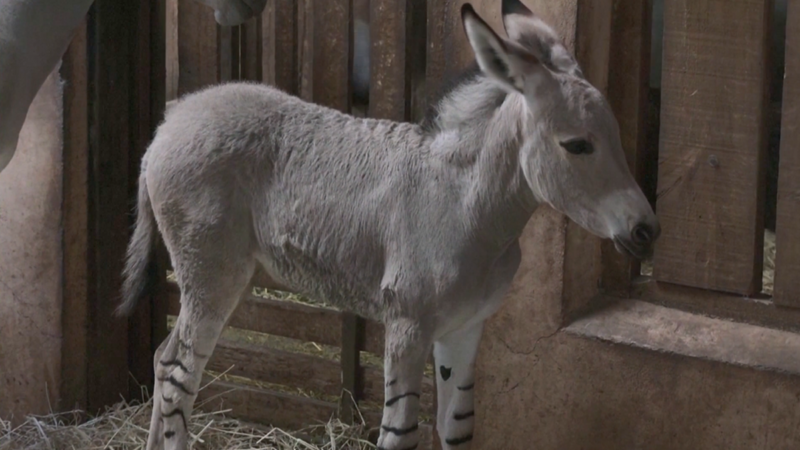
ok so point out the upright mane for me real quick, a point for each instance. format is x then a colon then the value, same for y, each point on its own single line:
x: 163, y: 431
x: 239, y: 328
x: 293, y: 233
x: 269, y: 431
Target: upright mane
x: 470, y: 77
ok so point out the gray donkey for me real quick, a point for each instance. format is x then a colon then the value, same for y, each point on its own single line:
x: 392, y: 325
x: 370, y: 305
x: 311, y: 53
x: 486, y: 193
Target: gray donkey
x: 413, y: 225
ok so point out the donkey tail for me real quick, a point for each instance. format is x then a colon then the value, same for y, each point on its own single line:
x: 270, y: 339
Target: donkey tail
x: 138, y: 266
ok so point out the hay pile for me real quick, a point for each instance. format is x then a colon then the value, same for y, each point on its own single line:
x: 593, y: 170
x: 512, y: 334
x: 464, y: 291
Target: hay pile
x: 124, y: 427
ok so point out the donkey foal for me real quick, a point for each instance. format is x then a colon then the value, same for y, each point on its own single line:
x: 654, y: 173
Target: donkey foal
x: 413, y: 225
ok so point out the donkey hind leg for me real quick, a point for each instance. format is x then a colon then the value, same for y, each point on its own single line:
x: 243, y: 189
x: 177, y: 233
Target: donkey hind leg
x: 407, y: 347
x: 179, y: 364
x: 454, y: 355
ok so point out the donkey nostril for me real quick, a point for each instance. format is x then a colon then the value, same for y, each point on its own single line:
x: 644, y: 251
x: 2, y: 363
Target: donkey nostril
x: 642, y: 234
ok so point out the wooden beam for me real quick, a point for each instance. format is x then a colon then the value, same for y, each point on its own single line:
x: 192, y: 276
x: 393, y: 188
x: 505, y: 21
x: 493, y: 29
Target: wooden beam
x: 77, y: 237
x: 713, y: 140
x: 333, y: 58
x: 787, y: 264
x: 389, y: 79
x: 628, y: 86
x: 280, y: 45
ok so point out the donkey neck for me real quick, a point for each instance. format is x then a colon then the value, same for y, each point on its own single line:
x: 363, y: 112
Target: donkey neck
x: 477, y: 131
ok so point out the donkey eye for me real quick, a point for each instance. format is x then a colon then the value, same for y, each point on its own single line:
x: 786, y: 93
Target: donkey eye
x: 578, y: 147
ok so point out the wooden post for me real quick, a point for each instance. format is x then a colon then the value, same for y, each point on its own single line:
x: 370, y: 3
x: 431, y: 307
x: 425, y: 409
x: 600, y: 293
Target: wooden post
x: 713, y: 142
x: 787, y: 266
x: 280, y: 45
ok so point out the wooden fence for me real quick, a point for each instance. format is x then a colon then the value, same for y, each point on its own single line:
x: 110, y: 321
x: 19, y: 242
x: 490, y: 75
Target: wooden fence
x: 699, y: 147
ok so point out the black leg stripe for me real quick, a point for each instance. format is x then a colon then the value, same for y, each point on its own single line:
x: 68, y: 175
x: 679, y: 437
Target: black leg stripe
x: 400, y: 431
x: 171, y: 379
x: 394, y: 400
x: 166, y: 399
x: 459, y: 441
x: 174, y: 362
x: 467, y: 387
x: 463, y: 416
x: 391, y: 383
x: 169, y: 434
x: 413, y: 447
x: 177, y: 411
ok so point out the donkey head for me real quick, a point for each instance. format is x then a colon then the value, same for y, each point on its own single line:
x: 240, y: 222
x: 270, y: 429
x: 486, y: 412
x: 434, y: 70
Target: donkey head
x: 570, y: 152
x: 235, y: 12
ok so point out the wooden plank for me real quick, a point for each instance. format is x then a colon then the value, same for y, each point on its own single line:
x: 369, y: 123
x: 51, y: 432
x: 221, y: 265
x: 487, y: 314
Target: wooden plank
x: 389, y: 78
x: 77, y: 238
x: 281, y: 45
x: 262, y: 363
x: 628, y: 82
x: 264, y: 406
x: 250, y: 50
x: 713, y: 144
x: 332, y: 60
x: 207, y: 52
x: 352, y: 342
x: 172, y: 66
x: 281, y: 318
x: 112, y: 119
x: 787, y: 264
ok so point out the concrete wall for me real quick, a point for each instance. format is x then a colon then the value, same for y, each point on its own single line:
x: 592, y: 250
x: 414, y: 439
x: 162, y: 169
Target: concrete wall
x: 541, y: 387
x: 30, y: 261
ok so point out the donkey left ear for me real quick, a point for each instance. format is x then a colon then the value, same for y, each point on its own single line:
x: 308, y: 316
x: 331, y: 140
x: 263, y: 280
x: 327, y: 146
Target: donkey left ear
x: 502, y: 60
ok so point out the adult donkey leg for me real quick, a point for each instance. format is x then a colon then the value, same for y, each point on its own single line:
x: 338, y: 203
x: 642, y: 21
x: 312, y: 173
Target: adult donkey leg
x: 407, y: 346
x: 454, y: 355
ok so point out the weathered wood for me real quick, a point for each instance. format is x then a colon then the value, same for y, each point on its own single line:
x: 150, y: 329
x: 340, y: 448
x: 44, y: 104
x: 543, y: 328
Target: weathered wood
x: 207, y: 52
x: 251, y: 49
x: 389, y: 78
x: 280, y: 318
x: 628, y: 81
x: 352, y: 342
x: 172, y: 50
x: 77, y: 237
x: 262, y: 363
x: 787, y: 264
x: 264, y: 406
x: 113, y: 114
x: 713, y: 144
x: 281, y: 44
x: 333, y: 59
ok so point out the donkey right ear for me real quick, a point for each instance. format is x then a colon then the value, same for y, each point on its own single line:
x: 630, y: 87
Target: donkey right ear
x: 502, y: 60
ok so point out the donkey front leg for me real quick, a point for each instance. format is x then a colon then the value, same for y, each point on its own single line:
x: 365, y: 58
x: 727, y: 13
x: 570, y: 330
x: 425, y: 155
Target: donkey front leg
x: 407, y: 345
x: 454, y: 356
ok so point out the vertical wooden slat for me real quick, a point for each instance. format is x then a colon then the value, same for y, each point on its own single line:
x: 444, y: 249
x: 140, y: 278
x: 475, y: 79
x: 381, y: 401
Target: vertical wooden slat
x: 713, y: 144
x: 333, y: 60
x: 251, y: 51
x: 628, y: 80
x: 112, y: 37
x: 77, y: 238
x: 389, y: 80
x: 787, y: 264
x: 280, y: 44
x: 171, y: 48
x: 207, y: 52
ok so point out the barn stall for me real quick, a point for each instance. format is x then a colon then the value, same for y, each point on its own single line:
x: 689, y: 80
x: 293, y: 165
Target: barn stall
x: 591, y: 349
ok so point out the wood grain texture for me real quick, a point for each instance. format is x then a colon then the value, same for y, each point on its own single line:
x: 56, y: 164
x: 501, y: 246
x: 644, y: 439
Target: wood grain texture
x: 262, y: 363
x: 291, y: 320
x: 202, y: 48
x: 332, y: 60
x: 251, y: 49
x: 628, y: 78
x: 264, y: 406
x: 787, y: 264
x: 77, y: 239
x: 280, y: 28
x: 713, y: 144
x: 389, y: 78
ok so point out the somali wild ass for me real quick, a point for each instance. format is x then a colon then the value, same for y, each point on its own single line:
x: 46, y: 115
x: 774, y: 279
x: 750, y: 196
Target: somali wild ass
x: 413, y: 225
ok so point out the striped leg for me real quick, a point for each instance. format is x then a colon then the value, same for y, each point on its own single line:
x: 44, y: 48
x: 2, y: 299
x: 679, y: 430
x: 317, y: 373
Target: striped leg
x: 181, y: 359
x: 407, y: 346
x: 455, y: 356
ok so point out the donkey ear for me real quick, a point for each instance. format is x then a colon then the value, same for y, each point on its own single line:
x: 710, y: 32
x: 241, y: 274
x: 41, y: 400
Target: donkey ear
x: 504, y: 61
